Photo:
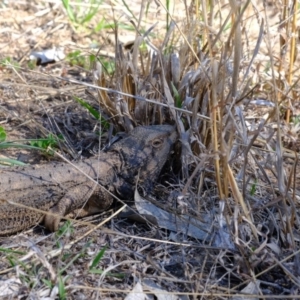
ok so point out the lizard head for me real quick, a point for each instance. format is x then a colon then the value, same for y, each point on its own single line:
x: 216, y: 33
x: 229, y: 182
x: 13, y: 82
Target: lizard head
x: 144, y: 152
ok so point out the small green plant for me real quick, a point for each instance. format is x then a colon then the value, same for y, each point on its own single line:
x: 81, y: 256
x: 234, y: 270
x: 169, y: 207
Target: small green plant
x: 2, y: 134
x: 93, y: 112
x: 177, y: 98
x: 76, y: 58
x: 50, y: 141
x: 34, y: 144
x: 103, y: 25
x: 48, y: 283
x: 66, y: 228
x: 80, y: 14
x: 61, y: 289
x: 253, y: 188
x: 15, y: 261
x: 3, y: 145
x: 9, y: 63
x: 31, y: 64
x: 96, y: 261
x: 108, y: 65
x: 70, y: 258
x: 167, y: 15
x: 10, y: 251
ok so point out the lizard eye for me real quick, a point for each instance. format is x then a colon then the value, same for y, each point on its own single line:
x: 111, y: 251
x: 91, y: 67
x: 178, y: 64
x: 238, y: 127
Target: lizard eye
x: 157, y: 143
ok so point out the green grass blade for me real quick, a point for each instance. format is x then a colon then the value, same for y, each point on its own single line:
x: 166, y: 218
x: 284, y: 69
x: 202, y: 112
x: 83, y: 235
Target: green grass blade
x: 92, y: 111
x: 69, y: 10
x: 98, y: 258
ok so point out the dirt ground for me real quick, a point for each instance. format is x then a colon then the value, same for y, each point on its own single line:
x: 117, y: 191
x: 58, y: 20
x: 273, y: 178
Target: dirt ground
x: 38, y: 100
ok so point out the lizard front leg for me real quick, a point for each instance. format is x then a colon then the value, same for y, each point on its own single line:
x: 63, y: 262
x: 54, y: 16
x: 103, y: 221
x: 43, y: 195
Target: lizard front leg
x: 81, y: 200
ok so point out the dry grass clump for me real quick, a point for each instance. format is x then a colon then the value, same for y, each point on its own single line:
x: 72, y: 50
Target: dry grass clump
x: 226, y: 91
x: 230, y: 85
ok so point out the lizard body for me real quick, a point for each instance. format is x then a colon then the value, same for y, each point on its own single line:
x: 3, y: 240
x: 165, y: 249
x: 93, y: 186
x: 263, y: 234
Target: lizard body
x: 62, y: 189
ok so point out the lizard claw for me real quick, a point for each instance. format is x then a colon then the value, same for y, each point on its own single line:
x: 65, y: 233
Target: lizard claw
x: 51, y: 221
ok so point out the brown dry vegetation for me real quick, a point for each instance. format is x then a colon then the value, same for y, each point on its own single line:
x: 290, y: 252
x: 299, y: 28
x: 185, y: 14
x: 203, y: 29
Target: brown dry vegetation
x: 228, y: 77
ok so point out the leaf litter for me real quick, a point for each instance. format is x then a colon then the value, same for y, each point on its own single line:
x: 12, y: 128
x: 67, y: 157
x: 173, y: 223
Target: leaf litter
x: 234, y: 171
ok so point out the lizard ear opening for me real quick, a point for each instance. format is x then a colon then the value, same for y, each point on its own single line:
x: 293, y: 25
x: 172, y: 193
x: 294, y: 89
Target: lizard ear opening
x: 157, y: 143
